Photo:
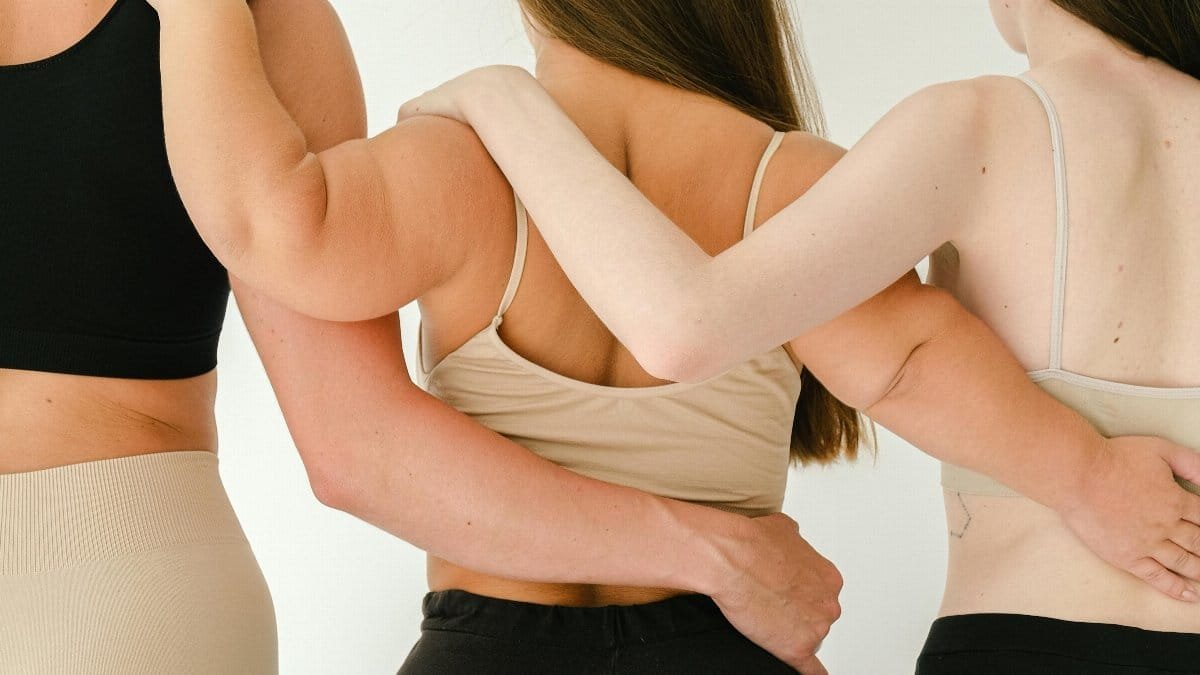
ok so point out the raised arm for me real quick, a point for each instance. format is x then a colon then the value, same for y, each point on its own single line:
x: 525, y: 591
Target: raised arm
x: 341, y: 232
x: 685, y: 315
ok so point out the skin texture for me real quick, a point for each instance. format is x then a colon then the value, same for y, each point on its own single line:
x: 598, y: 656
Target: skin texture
x: 49, y: 420
x: 381, y: 449
x: 928, y: 166
x: 373, y: 443
x: 285, y: 217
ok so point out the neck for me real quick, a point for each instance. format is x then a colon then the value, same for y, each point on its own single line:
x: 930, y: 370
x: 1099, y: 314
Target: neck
x: 1053, y: 34
x: 615, y: 108
x: 595, y: 95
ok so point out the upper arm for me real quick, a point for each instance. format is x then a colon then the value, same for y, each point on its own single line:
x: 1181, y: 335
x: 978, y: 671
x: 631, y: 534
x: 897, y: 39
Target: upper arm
x: 364, y: 226
x: 905, y: 189
x: 404, y: 211
x: 316, y: 365
x: 859, y: 354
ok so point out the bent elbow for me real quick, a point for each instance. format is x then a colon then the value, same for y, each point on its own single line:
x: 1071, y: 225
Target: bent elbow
x: 679, y: 358
x: 331, y: 477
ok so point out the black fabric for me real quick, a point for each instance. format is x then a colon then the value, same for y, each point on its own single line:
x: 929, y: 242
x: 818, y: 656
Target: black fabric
x: 1003, y: 644
x: 101, y: 271
x: 466, y: 633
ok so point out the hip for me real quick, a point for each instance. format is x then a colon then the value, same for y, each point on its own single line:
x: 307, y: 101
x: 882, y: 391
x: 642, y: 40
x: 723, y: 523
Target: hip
x: 132, y: 565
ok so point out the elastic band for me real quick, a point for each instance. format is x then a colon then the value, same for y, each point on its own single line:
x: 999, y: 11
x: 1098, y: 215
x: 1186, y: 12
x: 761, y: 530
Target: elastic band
x: 66, y: 516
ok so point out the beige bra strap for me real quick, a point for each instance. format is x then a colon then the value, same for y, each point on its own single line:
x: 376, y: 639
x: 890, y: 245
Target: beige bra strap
x: 1064, y: 222
x: 752, y: 209
x: 518, y: 268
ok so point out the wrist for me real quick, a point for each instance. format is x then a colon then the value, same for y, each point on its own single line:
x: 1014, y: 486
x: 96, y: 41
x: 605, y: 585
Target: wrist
x: 490, y: 89
x: 1074, y: 474
x: 713, y: 552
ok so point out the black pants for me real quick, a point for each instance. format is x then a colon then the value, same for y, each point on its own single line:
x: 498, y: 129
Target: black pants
x: 1012, y: 644
x: 470, y: 634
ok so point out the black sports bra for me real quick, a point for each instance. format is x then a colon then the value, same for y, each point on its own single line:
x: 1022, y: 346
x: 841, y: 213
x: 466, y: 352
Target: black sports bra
x: 101, y: 271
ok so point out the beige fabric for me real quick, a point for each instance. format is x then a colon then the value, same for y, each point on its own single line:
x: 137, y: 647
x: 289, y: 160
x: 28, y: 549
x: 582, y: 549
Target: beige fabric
x: 1173, y: 414
x: 129, y: 566
x: 723, y: 443
x: 1115, y: 409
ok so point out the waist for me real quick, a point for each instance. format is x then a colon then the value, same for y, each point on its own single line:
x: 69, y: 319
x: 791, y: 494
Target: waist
x: 57, y: 518
x: 1010, y: 555
x: 585, y: 627
x: 49, y: 420
x: 445, y: 576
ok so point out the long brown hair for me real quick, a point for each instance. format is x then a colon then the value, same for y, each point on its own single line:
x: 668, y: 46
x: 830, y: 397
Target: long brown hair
x: 748, y: 54
x: 1168, y: 30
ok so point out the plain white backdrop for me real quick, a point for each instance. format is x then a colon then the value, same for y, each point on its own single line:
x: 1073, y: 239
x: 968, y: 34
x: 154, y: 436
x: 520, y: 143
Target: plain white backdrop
x: 348, y: 596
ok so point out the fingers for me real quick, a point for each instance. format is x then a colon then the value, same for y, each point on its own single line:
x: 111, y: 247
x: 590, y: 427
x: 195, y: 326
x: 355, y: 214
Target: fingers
x: 1164, y: 580
x: 1187, y: 537
x: 1178, y: 560
x: 810, y: 666
x: 1184, y: 462
x: 1191, y: 512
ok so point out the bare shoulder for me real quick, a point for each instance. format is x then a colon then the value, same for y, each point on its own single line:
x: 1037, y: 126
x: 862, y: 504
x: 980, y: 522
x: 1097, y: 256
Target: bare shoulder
x: 962, y: 114
x: 801, y: 161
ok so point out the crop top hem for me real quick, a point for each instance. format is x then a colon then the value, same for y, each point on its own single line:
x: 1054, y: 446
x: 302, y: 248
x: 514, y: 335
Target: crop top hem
x: 100, y: 356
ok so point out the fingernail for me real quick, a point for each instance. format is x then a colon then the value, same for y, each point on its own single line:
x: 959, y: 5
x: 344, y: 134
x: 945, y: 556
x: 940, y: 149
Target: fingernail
x: 1191, y: 596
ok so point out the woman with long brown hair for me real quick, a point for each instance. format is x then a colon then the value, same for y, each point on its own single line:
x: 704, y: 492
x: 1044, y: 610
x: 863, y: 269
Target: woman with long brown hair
x: 1062, y: 209
x: 119, y: 550
x: 420, y: 213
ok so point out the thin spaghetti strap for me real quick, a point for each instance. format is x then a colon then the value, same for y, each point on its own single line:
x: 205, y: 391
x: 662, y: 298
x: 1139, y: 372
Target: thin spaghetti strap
x: 752, y: 209
x: 1064, y: 221
x: 518, y: 268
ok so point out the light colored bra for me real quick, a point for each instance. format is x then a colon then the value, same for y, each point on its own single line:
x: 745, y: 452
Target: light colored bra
x: 723, y: 443
x: 1114, y: 408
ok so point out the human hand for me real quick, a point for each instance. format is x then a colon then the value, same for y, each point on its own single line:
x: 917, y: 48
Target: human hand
x: 450, y: 99
x: 782, y: 594
x: 1132, y: 513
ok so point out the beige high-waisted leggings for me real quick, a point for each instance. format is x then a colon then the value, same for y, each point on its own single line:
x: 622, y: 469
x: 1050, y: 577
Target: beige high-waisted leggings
x: 129, y: 566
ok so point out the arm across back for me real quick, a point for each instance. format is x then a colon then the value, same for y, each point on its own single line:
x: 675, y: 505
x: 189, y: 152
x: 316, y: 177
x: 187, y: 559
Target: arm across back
x: 374, y: 444
x: 684, y: 314
x: 378, y: 447
x: 921, y: 364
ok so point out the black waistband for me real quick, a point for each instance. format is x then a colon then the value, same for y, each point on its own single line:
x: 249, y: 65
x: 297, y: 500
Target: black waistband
x: 1095, y: 642
x: 583, y: 626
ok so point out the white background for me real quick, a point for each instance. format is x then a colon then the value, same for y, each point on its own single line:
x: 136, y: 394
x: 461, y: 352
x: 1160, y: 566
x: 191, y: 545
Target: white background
x: 348, y: 596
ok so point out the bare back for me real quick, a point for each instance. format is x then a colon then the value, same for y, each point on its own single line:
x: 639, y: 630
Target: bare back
x: 49, y: 420
x: 702, y: 186
x: 1131, y: 135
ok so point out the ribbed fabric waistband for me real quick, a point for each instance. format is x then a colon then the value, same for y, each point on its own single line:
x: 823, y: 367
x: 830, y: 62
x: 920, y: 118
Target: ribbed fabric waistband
x: 585, y: 627
x: 66, y: 516
x: 1094, y: 642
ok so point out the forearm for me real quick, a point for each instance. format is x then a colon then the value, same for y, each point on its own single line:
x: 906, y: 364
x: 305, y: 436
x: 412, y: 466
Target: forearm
x: 379, y: 448
x: 238, y: 157
x: 961, y: 396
